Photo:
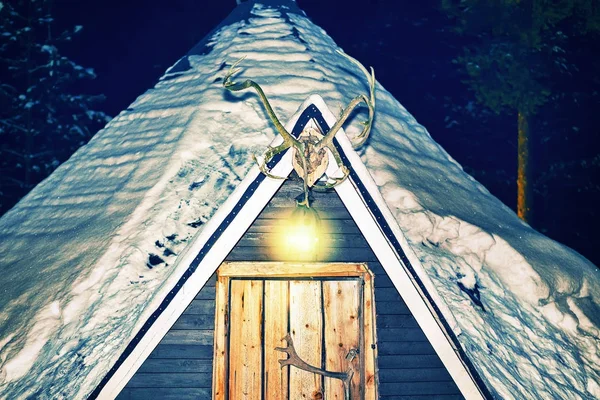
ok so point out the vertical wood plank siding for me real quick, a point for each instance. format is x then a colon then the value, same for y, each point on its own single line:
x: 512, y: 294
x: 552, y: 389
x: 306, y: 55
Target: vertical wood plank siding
x: 181, y: 365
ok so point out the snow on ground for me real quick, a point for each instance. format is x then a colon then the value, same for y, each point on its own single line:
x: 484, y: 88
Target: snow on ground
x: 85, y: 256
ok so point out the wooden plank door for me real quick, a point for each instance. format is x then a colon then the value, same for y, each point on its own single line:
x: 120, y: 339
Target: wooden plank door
x: 325, y: 319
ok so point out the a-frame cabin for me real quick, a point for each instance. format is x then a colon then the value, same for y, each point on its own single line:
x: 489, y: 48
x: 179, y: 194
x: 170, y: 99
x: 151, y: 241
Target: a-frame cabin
x: 334, y: 298
x: 143, y: 267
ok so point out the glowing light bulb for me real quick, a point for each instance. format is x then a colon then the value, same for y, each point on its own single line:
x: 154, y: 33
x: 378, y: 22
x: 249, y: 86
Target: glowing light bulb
x: 302, y: 238
x: 302, y: 232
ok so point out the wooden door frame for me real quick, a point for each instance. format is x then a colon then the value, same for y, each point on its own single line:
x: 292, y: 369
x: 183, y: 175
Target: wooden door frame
x: 270, y: 270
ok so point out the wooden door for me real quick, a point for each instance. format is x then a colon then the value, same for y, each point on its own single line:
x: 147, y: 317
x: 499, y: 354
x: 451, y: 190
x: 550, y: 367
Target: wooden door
x: 284, y: 334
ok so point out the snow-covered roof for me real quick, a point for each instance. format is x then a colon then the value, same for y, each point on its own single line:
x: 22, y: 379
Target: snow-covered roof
x: 81, y: 270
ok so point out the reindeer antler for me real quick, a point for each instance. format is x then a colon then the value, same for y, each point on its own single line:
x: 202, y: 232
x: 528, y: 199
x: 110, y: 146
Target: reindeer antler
x: 304, y: 146
x: 288, y: 139
x: 369, y: 101
x: 295, y: 360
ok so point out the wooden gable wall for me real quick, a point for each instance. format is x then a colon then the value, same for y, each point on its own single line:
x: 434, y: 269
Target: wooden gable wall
x: 408, y: 369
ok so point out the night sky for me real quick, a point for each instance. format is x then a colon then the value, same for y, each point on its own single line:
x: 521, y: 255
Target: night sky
x: 131, y: 43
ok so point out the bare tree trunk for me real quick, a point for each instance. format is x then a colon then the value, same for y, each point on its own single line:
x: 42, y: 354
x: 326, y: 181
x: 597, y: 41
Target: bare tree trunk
x: 524, y: 192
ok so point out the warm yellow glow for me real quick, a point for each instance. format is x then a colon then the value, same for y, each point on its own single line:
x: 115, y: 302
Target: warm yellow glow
x: 300, y: 234
x: 302, y: 238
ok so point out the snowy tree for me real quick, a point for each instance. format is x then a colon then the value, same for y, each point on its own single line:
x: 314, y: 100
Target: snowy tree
x: 515, y: 51
x: 43, y: 119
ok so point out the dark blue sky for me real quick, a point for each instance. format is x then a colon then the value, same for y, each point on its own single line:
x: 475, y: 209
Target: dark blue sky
x: 131, y: 43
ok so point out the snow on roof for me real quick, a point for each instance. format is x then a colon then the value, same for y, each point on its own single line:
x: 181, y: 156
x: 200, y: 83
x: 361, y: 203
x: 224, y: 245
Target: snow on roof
x: 89, y: 254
